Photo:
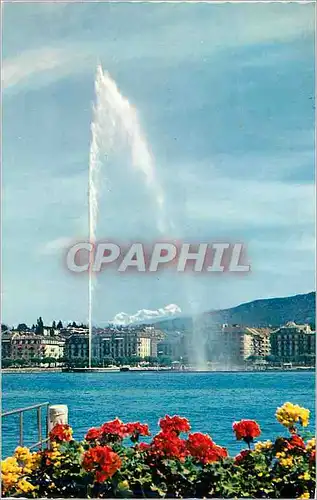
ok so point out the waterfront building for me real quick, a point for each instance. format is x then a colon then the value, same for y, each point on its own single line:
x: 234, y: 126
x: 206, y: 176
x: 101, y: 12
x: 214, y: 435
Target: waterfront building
x: 71, y: 330
x: 49, y: 331
x: 128, y: 342
x: 76, y: 347
x: 156, y: 336
x: 28, y: 345
x: 227, y: 344
x: 291, y: 342
x: 236, y: 343
x: 6, y: 344
x: 114, y: 342
x: 190, y: 338
x: 172, y: 346
x: 261, y: 344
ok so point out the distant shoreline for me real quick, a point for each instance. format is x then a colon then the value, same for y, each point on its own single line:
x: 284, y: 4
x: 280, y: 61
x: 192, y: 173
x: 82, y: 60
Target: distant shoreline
x: 31, y: 370
x: 151, y: 370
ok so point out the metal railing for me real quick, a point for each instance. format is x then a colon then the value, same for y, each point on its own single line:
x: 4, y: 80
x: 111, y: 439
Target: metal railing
x: 20, y: 411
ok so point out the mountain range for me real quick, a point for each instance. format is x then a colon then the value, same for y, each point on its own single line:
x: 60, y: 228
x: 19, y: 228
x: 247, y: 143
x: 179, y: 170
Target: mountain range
x: 275, y: 311
x: 263, y: 312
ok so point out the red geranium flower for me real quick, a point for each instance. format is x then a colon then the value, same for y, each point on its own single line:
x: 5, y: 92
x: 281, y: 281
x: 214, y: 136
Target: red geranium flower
x: 135, y: 429
x: 246, y: 430
x: 202, y: 447
x: 174, y: 424
x: 102, y: 461
x: 241, y: 456
x: 295, y: 442
x: 61, y: 432
x: 92, y: 434
x: 101, y: 476
x: 143, y: 446
x: 113, y: 429
x: 168, y: 445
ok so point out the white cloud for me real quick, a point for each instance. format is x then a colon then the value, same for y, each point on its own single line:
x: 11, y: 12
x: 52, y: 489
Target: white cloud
x: 146, y: 315
x: 167, y: 40
x: 55, y: 246
x: 30, y: 63
x: 53, y: 62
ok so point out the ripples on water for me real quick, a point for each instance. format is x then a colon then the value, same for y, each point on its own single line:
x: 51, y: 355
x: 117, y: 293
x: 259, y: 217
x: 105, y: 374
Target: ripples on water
x: 211, y: 401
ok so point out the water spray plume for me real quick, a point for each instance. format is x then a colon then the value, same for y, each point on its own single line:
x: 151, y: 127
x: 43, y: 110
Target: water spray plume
x: 115, y: 121
x: 115, y: 124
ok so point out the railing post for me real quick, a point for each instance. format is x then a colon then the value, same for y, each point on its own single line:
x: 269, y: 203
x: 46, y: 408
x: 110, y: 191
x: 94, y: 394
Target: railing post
x: 21, y: 428
x: 57, y: 414
x: 39, y: 425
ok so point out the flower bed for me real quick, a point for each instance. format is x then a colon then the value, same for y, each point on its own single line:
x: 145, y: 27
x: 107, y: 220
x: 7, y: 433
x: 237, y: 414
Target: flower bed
x: 175, y: 463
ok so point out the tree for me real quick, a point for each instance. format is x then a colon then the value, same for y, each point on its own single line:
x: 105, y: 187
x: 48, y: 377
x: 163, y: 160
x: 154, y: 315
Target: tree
x: 36, y: 361
x: 254, y: 358
x: 133, y: 360
x: 4, y: 328
x: 6, y: 363
x: 49, y: 360
x: 20, y: 362
x: 108, y: 361
x: 74, y: 324
x: 78, y: 363
x: 306, y: 359
x: 22, y: 327
x: 152, y: 360
x: 59, y: 325
x: 270, y: 358
x: 39, y: 326
x: 165, y: 361
x: 64, y: 360
x: 96, y: 363
x: 54, y: 325
x: 310, y: 359
x: 122, y: 361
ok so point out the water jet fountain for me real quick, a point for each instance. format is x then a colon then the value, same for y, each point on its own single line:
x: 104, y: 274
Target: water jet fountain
x: 114, y: 121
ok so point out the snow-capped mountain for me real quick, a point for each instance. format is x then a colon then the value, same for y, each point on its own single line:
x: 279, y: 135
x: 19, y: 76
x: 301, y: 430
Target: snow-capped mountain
x: 146, y: 315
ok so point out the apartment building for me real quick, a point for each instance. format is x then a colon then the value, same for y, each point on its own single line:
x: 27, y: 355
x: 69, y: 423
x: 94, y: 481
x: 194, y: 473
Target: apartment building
x: 261, y: 344
x: 114, y: 342
x: 172, y: 346
x: 291, y: 341
x: 16, y: 345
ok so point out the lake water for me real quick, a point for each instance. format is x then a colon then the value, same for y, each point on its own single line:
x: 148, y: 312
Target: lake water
x: 211, y: 401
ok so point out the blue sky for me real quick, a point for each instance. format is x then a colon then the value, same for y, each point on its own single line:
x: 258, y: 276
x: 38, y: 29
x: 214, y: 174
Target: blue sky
x: 224, y: 94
